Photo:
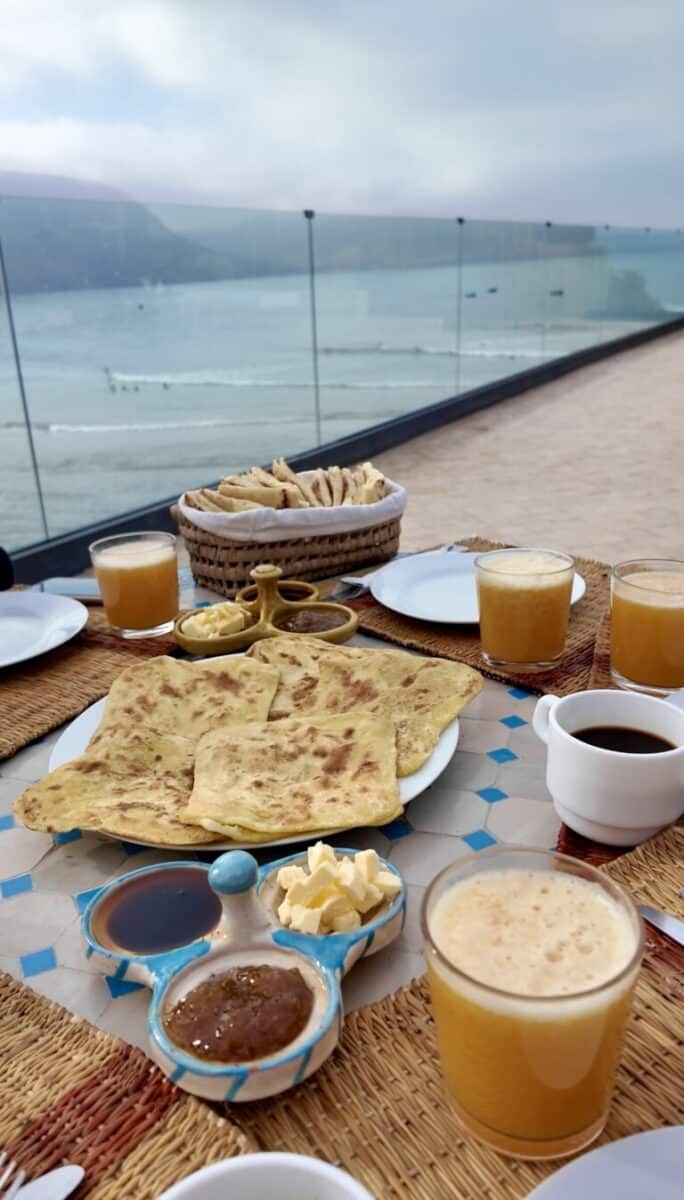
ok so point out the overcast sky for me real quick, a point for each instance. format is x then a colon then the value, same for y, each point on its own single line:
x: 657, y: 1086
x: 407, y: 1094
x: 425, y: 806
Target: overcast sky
x: 540, y: 109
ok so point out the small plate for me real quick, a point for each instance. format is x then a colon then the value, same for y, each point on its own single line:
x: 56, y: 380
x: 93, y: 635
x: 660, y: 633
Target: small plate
x: 437, y: 587
x: 31, y: 623
x: 78, y: 733
x: 645, y: 1166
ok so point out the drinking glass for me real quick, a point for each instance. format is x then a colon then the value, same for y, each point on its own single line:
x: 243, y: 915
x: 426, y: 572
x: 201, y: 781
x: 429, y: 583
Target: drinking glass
x: 529, y: 1075
x: 138, y: 578
x: 524, y: 601
x: 647, y: 625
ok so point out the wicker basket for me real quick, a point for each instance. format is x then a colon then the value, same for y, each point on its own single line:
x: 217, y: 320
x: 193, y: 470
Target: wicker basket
x: 223, y: 565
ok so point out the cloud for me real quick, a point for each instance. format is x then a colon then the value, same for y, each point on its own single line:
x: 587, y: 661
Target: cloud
x: 487, y: 107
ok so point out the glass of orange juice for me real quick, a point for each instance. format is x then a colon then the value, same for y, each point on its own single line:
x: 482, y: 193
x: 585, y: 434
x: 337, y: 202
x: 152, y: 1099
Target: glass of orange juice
x: 532, y: 959
x: 524, y: 601
x: 138, y: 578
x: 647, y: 625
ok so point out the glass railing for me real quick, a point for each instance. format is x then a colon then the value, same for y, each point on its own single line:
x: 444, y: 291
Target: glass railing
x: 162, y: 346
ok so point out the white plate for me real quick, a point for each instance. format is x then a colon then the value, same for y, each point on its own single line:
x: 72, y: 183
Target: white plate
x: 31, y: 623
x: 437, y: 586
x: 647, y: 1166
x: 76, y: 736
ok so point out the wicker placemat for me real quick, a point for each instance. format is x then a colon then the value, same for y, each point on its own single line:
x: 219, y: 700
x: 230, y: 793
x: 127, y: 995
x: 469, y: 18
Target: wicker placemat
x: 463, y: 642
x: 69, y: 1092
x: 377, y: 1108
x: 41, y: 694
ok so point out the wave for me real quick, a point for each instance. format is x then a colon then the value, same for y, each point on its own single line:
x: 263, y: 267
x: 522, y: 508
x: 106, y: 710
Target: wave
x: 435, y: 351
x: 204, y: 379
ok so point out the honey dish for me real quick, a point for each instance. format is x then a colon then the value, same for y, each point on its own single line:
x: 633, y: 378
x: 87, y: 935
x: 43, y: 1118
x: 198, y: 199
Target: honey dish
x: 264, y: 610
x: 242, y: 1007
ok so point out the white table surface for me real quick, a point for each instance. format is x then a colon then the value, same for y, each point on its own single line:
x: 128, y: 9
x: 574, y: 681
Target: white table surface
x: 493, y: 791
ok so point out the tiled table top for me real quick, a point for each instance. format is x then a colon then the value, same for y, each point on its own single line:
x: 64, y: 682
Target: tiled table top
x: 492, y: 792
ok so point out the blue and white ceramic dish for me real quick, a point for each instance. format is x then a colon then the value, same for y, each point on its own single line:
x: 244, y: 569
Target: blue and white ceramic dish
x: 248, y: 932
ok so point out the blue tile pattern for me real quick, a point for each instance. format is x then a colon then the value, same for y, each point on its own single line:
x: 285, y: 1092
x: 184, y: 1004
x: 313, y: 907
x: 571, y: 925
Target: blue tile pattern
x: 132, y: 848
x: 519, y: 693
x: 37, y: 962
x: 121, y: 987
x: 6, y: 821
x: 61, y: 839
x: 14, y: 887
x: 479, y: 840
x: 396, y: 829
x: 513, y: 722
x: 492, y: 794
x: 83, y: 898
x: 502, y: 755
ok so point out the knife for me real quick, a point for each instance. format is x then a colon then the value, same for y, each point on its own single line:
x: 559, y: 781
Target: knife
x: 672, y: 926
x: 56, y: 1185
x: 351, y: 586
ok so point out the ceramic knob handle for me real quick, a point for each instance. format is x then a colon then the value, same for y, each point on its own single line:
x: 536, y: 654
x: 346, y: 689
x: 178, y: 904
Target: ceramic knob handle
x: 233, y: 873
x: 233, y: 877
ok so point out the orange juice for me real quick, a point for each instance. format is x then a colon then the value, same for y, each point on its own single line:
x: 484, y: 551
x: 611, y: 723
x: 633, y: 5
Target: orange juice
x: 138, y: 580
x: 524, y: 601
x: 531, y: 973
x: 647, y: 625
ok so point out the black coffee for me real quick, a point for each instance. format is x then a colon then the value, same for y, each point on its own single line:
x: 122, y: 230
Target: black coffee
x: 627, y: 741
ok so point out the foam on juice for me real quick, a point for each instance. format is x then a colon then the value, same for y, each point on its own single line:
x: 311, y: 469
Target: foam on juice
x: 533, y: 933
x: 132, y: 555
x: 659, y: 588
x: 535, y: 569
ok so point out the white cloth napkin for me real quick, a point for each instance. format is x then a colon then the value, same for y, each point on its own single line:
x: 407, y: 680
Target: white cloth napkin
x: 281, y: 524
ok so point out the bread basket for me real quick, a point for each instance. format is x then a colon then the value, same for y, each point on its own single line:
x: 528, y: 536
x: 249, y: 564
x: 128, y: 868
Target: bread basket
x: 308, y: 543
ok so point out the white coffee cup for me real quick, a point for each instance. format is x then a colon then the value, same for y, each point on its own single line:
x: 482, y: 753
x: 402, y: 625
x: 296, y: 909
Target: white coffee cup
x: 607, y: 795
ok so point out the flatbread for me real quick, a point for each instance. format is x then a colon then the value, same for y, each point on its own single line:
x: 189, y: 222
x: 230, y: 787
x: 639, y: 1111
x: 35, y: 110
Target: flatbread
x: 190, y: 698
x: 422, y: 695
x: 136, y: 775
x: 303, y: 775
x: 129, y: 783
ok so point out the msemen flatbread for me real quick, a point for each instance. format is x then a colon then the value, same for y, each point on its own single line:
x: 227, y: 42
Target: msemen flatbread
x: 131, y: 784
x: 190, y: 698
x: 422, y: 695
x: 296, y: 776
x: 136, y: 775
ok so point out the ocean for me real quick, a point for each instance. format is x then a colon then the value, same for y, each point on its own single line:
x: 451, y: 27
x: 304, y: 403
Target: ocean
x: 135, y: 394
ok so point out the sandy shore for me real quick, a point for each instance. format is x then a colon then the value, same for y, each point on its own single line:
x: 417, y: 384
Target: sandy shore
x: 592, y: 463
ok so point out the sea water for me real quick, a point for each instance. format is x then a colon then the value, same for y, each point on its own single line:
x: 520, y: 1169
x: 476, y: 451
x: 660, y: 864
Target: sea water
x: 135, y: 394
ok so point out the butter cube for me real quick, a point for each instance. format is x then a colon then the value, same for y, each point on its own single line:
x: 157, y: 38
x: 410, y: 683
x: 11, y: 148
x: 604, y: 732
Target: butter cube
x: 368, y: 864
x: 305, y: 920
x: 351, y: 881
x: 289, y: 875
x: 285, y: 912
x: 388, y: 883
x: 320, y: 853
x: 346, y: 922
x: 334, y: 906
x: 372, y: 897
x: 303, y: 891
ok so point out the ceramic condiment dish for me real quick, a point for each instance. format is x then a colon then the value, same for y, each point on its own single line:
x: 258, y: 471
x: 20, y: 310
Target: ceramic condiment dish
x: 246, y: 933
x: 269, y: 612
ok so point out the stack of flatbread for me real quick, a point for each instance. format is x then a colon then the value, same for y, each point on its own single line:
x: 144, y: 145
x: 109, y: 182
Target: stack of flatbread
x: 281, y: 487
x: 297, y: 737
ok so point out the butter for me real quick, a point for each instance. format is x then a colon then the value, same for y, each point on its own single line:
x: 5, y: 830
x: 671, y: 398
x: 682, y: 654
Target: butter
x: 216, y: 621
x: 335, y: 894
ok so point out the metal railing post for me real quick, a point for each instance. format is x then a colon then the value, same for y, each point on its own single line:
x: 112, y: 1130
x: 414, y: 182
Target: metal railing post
x: 309, y: 215
x: 22, y: 390
x: 459, y: 306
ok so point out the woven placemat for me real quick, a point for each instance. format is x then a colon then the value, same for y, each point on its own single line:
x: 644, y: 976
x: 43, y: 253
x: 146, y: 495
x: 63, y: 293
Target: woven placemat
x: 377, y: 1107
x: 462, y: 642
x: 69, y: 1092
x: 41, y: 694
